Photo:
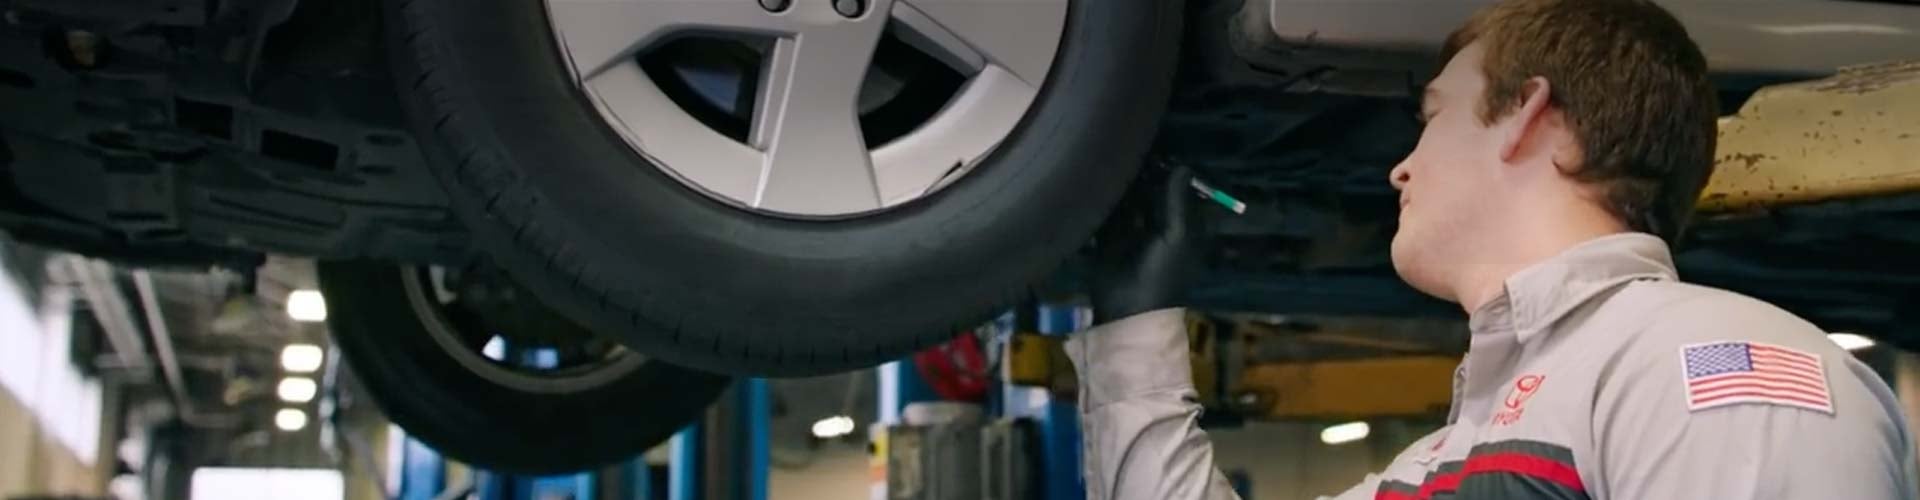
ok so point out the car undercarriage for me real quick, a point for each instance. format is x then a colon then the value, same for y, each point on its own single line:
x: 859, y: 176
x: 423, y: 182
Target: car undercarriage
x: 346, y: 143
x: 210, y: 133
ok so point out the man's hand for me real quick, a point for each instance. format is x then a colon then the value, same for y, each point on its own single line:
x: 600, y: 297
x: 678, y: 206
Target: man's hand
x: 1147, y: 250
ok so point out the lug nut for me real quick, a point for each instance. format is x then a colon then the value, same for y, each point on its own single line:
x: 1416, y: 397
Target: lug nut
x: 775, y: 5
x: 850, y: 8
x: 85, y: 48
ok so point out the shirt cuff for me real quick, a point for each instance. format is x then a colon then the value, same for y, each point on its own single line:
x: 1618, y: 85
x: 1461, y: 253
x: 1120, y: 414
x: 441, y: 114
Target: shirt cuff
x: 1134, y: 357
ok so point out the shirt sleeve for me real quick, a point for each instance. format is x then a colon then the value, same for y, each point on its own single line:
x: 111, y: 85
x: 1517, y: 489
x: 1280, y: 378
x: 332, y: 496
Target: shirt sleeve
x: 1652, y: 444
x: 1139, y: 413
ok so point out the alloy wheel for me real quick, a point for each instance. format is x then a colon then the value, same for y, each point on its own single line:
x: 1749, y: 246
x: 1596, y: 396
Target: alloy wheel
x: 804, y: 152
x: 502, y: 334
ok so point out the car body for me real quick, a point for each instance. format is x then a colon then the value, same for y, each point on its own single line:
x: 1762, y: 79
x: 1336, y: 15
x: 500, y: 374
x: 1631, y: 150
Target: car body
x: 1780, y: 38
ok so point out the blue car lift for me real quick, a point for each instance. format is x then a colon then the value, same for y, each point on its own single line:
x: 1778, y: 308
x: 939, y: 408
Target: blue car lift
x: 1057, y: 422
x: 726, y: 455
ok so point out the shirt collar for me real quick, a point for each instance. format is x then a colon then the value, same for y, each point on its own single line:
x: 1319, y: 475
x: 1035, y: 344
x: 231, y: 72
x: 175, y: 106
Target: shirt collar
x: 1539, y: 295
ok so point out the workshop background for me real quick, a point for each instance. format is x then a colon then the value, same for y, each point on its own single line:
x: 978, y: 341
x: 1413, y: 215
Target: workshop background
x: 132, y: 383
x: 314, y: 250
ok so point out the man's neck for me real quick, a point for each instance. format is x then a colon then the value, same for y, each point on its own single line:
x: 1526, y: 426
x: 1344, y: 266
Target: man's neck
x: 1533, y: 241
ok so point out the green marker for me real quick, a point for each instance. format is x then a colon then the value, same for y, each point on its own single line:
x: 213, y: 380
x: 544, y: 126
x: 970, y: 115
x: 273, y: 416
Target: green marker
x: 1218, y: 196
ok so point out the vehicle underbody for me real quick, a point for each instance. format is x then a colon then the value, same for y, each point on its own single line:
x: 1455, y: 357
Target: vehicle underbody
x: 204, y: 133
x: 211, y: 133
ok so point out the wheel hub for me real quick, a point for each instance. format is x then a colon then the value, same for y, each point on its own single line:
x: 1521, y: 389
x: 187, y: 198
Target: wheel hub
x: 804, y: 153
x: 549, y: 355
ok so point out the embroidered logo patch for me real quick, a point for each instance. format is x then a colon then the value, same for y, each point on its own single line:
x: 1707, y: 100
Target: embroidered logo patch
x: 1433, y: 452
x: 1523, y: 389
x: 1725, y: 373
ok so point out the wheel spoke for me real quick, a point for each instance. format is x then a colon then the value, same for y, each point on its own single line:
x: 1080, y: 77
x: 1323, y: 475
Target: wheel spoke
x: 807, y: 121
x: 1019, y: 35
x: 670, y: 136
x: 603, y: 33
x: 911, y: 166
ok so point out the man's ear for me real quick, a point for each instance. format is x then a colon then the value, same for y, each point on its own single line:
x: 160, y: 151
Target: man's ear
x: 1526, y: 123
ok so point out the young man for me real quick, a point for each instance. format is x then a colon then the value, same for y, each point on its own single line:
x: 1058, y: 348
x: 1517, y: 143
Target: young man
x: 1566, y: 142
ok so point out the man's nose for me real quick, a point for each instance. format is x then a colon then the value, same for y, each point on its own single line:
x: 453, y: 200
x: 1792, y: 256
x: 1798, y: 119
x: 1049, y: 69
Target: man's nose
x: 1399, y: 175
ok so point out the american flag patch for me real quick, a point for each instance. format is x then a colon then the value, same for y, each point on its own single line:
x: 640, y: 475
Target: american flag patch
x: 1725, y: 373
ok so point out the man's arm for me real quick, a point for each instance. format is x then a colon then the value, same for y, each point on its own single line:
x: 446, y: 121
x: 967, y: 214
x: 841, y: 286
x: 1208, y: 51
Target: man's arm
x: 1139, y: 413
x: 1142, y: 436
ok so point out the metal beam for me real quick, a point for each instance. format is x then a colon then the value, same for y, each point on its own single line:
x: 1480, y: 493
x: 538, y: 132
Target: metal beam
x: 95, y: 281
x: 1851, y: 135
x: 1407, y: 386
x: 170, y: 362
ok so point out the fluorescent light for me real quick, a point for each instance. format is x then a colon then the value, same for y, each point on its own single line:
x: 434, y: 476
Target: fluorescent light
x: 1850, y: 341
x: 297, y: 389
x: 1345, y: 433
x: 307, y: 305
x: 833, y: 427
x: 234, y: 483
x: 290, y: 420
x: 301, y: 358
x: 496, y: 349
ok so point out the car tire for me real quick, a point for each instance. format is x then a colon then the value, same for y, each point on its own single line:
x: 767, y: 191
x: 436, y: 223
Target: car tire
x: 425, y: 389
x: 577, y: 215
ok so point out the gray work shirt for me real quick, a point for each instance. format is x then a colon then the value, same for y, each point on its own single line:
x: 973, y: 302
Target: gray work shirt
x: 1595, y: 375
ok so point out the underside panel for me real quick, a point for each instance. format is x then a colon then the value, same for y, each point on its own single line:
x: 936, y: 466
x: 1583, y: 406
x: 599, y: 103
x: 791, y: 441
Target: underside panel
x: 1772, y: 37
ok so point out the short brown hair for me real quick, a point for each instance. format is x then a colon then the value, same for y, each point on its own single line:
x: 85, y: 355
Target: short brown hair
x: 1630, y: 82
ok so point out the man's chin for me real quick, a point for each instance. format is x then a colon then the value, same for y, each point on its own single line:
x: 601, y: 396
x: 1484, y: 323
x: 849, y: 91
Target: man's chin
x: 1401, y: 253
x: 1405, y: 255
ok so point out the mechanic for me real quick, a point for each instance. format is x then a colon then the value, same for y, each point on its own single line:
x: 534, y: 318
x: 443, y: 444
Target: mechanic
x: 1565, y: 146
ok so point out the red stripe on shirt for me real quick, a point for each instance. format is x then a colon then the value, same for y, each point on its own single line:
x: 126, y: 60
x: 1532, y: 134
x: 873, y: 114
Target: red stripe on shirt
x: 1393, y: 495
x: 1522, y: 464
x: 1526, y: 465
x: 1442, y: 483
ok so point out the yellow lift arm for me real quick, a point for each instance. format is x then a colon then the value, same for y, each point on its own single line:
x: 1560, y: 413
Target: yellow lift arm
x: 1851, y: 135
